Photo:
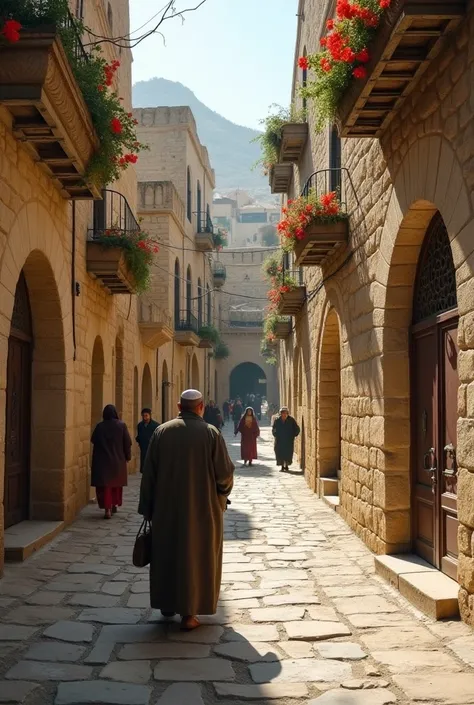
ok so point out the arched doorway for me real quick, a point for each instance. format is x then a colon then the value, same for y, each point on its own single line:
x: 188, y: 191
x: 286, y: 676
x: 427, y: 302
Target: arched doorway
x: 97, y: 399
x: 434, y: 384
x: 247, y: 378
x: 195, y: 381
x: 329, y: 407
x: 136, y: 399
x: 165, y: 385
x: 147, y: 388
x: 18, y: 409
x: 119, y: 376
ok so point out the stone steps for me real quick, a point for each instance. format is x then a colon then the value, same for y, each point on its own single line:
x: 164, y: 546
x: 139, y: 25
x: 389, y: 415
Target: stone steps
x: 25, y: 538
x: 332, y: 502
x: 431, y: 591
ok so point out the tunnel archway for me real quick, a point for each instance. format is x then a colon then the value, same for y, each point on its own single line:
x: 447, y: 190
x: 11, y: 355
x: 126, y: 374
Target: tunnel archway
x: 247, y: 378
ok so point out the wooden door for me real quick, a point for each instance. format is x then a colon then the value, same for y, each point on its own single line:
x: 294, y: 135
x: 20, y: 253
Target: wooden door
x: 424, y: 392
x: 449, y: 383
x: 17, y: 434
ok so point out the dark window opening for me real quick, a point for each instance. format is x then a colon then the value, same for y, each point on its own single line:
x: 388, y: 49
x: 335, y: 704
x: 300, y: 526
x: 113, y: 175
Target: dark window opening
x: 334, y: 160
x: 189, y: 197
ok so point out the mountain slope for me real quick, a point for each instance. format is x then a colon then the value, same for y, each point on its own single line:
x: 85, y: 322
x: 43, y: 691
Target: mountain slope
x: 230, y: 148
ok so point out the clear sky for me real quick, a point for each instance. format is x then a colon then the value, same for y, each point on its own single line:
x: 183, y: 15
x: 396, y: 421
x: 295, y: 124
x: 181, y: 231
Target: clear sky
x: 235, y: 55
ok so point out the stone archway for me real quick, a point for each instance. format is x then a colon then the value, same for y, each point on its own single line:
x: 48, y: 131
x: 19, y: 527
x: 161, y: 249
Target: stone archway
x: 147, y: 388
x: 119, y: 371
x: 97, y: 400
x: 328, y: 425
x: 195, y: 380
x: 247, y: 378
x: 136, y: 398
x: 43, y: 396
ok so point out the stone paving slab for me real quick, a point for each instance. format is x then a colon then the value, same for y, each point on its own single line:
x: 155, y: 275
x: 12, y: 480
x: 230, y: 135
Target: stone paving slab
x: 301, y: 617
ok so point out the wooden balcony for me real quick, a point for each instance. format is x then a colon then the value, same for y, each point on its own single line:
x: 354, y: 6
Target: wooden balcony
x: 283, y: 329
x: 109, y: 266
x: 292, y: 301
x: 320, y: 242
x: 280, y: 177
x: 156, y: 328
x: 409, y: 37
x: 49, y: 114
x: 293, y: 140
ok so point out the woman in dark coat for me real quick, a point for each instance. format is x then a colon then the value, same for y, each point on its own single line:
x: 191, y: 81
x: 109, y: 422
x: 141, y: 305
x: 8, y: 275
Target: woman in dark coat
x: 249, y: 430
x: 285, y: 430
x: 112, y: 451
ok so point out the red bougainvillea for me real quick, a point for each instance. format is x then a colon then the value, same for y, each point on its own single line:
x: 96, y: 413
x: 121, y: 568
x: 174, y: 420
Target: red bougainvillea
x: 343, y: 56
x: 305, y: 211
x: 11, y: 30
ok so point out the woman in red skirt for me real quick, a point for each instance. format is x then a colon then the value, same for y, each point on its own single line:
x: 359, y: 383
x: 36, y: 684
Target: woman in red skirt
x: 249, y: 431
x: 112, y: 451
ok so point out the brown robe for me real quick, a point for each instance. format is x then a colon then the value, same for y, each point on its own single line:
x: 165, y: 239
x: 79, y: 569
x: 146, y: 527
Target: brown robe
x: 112, y: 450
x: 187, y: 478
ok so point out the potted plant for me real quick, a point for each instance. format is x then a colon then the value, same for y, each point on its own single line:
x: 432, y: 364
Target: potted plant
x: 221, y: 351
x: 209, y: 336
x: 273, y: 266
x: 313, y: 226
x: 267, y: 351
x: 270, y: 139
x: 219, y: 239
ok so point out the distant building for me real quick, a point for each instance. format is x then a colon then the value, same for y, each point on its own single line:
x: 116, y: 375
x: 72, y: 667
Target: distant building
x: 244, y: 219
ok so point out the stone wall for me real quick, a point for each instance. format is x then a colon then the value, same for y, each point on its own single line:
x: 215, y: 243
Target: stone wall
x: 422, y: 164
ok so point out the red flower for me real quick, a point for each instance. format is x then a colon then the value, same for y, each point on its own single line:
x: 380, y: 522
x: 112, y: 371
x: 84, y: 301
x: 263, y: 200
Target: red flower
x: 360, y: 72
x: 135, y: 122
x: 330, y: 24
x: 328, y: 198
x: 384, y: 3
x: 363, y: 56
x: 116, y: 126
x: 101, y: 88
x: 325, y: 64
x: 323, y: 41
x: 303, y: 63
x: 11, y: 30
x: 156, y: 249
x: 335, y: 44
x: 348, y: 55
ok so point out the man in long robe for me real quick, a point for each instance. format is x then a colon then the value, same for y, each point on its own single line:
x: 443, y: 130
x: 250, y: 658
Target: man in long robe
x: 187, y: 478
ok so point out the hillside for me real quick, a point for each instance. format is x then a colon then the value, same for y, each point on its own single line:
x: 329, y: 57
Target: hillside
x: 230, y: 148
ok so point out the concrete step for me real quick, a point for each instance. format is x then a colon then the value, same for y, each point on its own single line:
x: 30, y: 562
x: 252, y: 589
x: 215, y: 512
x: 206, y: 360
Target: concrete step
x: 25, y: 538
x: 332, y: 502
x: 431, y: 591
x: 328, y: 486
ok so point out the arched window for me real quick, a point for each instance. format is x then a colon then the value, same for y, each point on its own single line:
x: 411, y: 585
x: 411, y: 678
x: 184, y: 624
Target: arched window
x: 334, y: 159
x: 189, y: 289
x: 110, y: 17
x: 304, y: 81
x: 209, y: 307
x: 208, y: 216
x: 199, y: 208
x: 189, y: 196
x: 177, y: 291
x: 199, y: 293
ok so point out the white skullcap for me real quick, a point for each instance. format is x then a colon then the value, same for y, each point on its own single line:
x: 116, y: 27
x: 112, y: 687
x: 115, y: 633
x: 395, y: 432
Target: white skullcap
x: 191, y: 395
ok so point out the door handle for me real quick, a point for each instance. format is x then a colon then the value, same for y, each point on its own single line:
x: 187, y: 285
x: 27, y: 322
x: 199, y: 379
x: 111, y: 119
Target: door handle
x: 450, y: 451
x: 428, y: 460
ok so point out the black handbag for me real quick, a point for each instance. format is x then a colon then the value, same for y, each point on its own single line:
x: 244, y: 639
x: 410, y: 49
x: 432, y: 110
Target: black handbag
x: 142, y: 548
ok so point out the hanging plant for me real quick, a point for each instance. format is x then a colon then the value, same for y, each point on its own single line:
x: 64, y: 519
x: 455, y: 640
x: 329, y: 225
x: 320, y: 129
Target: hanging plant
x: 219, y: 239
x: 343, y: 56
x: 139, y: 250
x: 267, y: 351
x: 114, y: 126
x: 305, y: 211
x: 270, y: 139
x: 273, y: 266
x: 210, y: 333
x: 221, y: 351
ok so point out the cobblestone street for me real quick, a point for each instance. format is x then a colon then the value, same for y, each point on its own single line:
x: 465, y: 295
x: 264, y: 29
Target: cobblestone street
x: 302, y: 617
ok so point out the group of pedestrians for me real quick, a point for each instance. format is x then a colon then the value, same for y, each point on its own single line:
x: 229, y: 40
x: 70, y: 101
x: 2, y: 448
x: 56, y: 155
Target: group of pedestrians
x: 187, y: 476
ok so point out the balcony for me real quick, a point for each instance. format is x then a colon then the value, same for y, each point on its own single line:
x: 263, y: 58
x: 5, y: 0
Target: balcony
x: 280, y: 177
x: 249, y: 321
x: 113, y: 218
x: 283, y: 329
x: 219, y: 274
x: 49, y: 115
x: 156, y: 327
x: 204, y: 237
x: 408, y: 38
x: 186, y: 329
x: 322, y: 240
x: 293, y: 140
x: 291, y: 302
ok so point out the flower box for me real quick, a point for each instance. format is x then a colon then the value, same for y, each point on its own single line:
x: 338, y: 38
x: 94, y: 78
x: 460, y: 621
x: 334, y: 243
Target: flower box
x: 291, y: 302
x: 108, y: 264
x: 205, y: 344
x: 283, y: 329
x: 293, y: 140
x: 320, y: 242
x: 410, y: 35
x: 48, y: 110
x: 280, y: 177
x: 204, y: 242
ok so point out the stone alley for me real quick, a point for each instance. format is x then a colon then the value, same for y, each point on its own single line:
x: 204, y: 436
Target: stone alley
x: 302, y: 616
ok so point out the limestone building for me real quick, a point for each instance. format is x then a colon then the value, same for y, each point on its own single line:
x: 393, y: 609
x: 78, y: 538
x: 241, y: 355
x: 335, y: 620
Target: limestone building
x: 175, y: 188
x: 70, y: 340
x: 242, y: 306
x: 380, y: 366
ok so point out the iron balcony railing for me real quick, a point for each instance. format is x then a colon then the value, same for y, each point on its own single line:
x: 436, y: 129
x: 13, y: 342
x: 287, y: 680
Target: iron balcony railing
x: 187, y: 321
x: 204, y: 223
x: 328, y: 180
x: 218, y: 269
x: 70, y: 34
x: 113, y: 213
x: 239, y: 323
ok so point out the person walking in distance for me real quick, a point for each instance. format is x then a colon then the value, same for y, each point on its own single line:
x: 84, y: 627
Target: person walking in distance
x: 145, y: 430
x: 285, y: 430
x: 212, y: 415
x: 249, y: 430
x: 187, y: 478
x: 226, y: 410
x: 237, y: 412
x: 112, y: 450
